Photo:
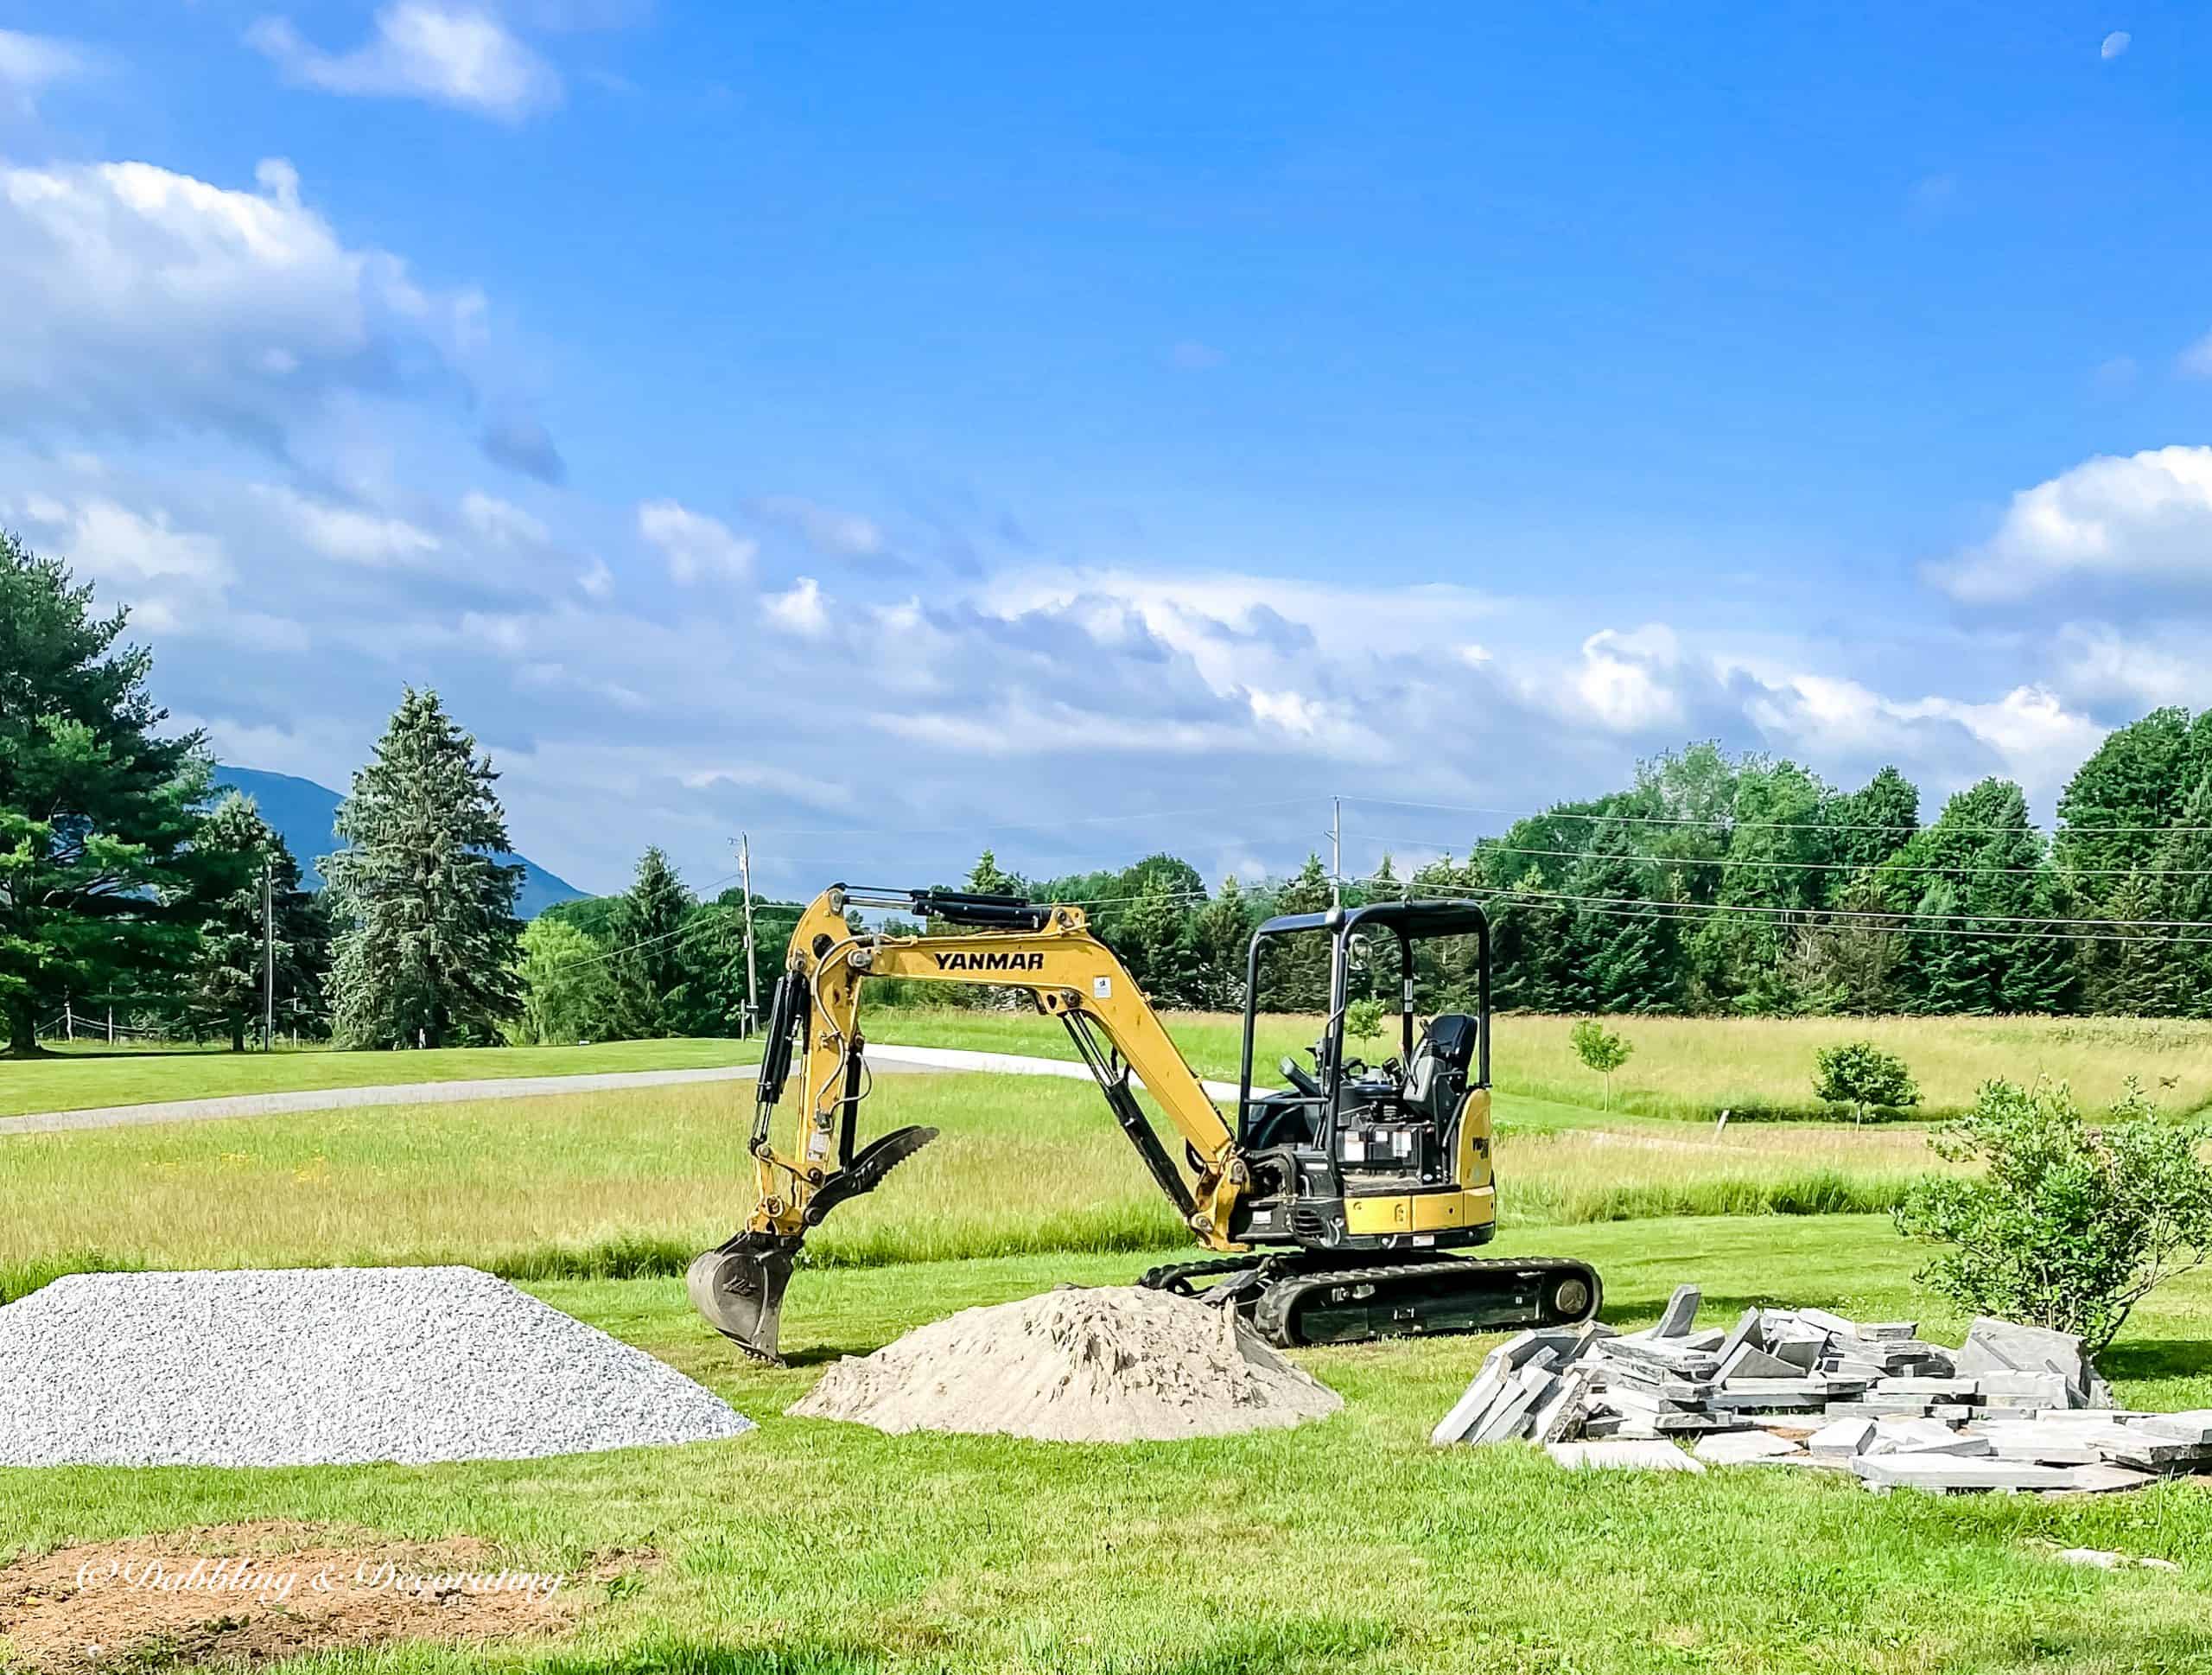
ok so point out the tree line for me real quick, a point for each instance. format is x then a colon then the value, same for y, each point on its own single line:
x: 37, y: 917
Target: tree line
x: 1712, y: 882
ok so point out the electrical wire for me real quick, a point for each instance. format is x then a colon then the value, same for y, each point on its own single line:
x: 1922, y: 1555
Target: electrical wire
x: 1490, y: 846
x: 1697, y: 912
x: 1731, y: 822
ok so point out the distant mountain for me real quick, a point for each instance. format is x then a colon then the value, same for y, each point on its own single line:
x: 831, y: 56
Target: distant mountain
x: 304, y: 814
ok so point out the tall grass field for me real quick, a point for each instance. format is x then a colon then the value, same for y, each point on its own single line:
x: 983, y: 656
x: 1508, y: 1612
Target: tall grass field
x: 638, y: 1181
x: 1694, y: 1068
x: 1691, y: 1068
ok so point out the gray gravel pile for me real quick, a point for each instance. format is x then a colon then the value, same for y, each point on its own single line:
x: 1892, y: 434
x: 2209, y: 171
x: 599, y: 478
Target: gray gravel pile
x: 324, y: 1366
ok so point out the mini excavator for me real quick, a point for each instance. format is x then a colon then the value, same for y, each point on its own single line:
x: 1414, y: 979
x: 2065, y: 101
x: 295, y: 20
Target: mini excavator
x: 1332, y: 1209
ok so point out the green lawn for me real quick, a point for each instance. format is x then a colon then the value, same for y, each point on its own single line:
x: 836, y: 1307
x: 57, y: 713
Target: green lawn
x: 88, y: 1075
x: 1345, y: 1546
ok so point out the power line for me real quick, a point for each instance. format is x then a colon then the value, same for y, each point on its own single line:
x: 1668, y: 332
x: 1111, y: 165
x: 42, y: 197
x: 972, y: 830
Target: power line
x: 1486, y: 845
x: 1731, y: 822
x: 1692, y: 912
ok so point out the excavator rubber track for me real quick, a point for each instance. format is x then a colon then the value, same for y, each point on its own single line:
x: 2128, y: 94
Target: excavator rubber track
x: 1315, y: 1298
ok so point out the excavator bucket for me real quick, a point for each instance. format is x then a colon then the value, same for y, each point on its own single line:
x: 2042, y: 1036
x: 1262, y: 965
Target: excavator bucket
x: 739, y: 1285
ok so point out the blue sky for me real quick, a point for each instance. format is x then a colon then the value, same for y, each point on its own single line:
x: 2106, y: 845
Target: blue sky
x: 891, y: 422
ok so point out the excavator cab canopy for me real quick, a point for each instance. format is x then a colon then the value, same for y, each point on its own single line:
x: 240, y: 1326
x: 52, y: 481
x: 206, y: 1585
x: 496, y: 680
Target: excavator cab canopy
x: 1459, y: 1041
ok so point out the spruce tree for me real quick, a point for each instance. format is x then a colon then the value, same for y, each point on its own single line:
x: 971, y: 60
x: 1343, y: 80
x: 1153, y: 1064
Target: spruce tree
x: 428, y: 942
x: 1151, y: 942
x: 223, y: 988
x: 2181, y: 881
x: 1626, y: 958
x: 97, y: 814
x: 2127, y: 966
x: 1294, y: 970
x: 1952, y: 969
x: 652, y: 998
x: 1220, y: 937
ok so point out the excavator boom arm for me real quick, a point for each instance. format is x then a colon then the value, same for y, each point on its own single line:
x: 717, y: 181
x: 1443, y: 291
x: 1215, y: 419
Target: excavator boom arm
x: 1046, y: 949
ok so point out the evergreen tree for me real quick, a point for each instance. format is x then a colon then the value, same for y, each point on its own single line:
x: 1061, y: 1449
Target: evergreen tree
x: 428, y: 938
x: 652, y: 976
x: 1294, y: 970
x: 1220, y: 937
x: 985, y: 878
x: 2125, y: 970
x: 2181, y: 891
x: 97, y: 814
x: 1992, y: 861
x: 1876, y: 820
x: 224, y: 987
x: 1625, y: 957
x: 1952, y: 964
x: 1151, y: 942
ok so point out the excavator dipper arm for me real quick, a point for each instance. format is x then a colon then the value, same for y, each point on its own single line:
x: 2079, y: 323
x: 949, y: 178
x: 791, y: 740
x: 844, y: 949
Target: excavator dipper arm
x: 814, y: 1031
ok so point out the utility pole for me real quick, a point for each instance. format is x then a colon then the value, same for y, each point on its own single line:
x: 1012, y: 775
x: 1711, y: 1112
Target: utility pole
x: 1336, y: 852
x: 268, y: 956
x: 751, y: 981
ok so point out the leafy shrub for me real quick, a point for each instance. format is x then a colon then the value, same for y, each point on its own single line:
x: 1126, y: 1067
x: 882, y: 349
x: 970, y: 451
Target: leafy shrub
x: 1600, y: 1049
x: 1861, y: 1075
x: 2068, y: 1226
x: 1363, y: 1019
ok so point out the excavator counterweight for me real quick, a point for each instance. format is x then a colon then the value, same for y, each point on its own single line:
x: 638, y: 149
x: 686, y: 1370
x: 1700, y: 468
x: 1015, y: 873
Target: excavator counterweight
x: 1333, y: 1207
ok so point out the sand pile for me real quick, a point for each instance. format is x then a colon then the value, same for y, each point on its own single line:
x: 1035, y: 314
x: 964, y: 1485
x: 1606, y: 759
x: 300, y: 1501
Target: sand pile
x: 1114, y: 1364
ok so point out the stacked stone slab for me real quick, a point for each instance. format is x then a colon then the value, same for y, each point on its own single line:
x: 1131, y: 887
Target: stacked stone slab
x: 2016, y: 1407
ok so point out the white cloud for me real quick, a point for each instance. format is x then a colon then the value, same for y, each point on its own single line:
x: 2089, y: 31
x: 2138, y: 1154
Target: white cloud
x: 2145, y: 518
x: 500, y: 522
x: 139, y: 298
x: 598, y: 581
x: 109, y: 543
x: 1625, y: 681
x: 31, y: 63
x: 835, y: 534
x: 456, y: 55
x: 2030, y: 733
x: 2113, y: 45
x: 696, y: 545
x: 800, y: 610
x: 2195, y: 362
x: 2099, y: 664
x: 346, y: 533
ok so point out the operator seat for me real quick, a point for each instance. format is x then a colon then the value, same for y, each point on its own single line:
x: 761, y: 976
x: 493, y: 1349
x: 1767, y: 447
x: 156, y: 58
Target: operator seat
x: 1436, y: 1078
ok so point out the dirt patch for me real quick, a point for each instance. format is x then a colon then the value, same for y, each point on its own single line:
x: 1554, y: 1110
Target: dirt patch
x: 251, y: 1593
x: 1117, y: 1364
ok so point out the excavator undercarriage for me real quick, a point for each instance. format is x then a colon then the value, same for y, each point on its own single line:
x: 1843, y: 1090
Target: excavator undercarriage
x: 1333, y: 1207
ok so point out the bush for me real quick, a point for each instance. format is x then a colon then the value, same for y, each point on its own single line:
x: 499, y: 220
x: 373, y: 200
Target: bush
x: 1600, y: 1049
x: 1861, y: 1075
x: 2068, y: 1226
x: 1363, y: 1019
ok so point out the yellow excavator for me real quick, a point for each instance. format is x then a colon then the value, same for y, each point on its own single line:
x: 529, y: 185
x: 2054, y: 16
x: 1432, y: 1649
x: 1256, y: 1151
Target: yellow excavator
x: 1333, y: 1207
